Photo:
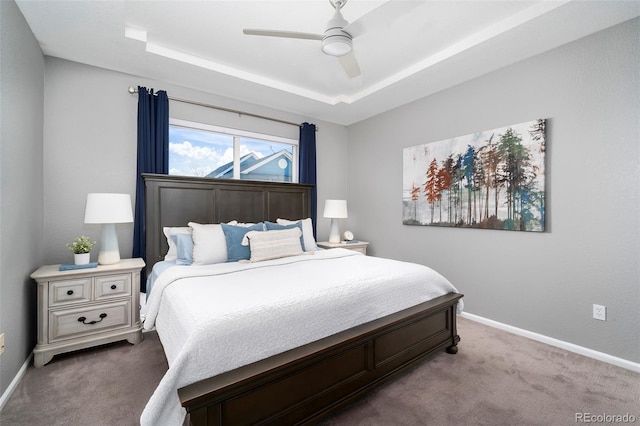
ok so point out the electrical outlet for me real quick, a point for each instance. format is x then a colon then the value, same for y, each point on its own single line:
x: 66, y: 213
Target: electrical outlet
x: 600, y: 312
x: 1, y: 343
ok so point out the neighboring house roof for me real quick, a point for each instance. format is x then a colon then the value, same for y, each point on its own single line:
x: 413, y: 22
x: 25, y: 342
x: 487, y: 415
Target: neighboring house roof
x: 226, y: 170
x: 273, y: 158
x: 252, y: 165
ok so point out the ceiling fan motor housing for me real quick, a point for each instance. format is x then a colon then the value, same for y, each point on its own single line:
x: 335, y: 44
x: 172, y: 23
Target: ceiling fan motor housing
x: 336, y: 41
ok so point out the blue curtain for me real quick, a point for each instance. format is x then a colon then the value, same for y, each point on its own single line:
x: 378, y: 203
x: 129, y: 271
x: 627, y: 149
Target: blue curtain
x: 307, y: 168
x: 153, y: 157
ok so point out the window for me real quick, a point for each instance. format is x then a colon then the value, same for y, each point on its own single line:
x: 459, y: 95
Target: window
x: 197, y: 149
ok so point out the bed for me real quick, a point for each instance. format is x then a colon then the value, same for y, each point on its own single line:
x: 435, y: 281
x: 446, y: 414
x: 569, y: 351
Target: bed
x: 291, y: 353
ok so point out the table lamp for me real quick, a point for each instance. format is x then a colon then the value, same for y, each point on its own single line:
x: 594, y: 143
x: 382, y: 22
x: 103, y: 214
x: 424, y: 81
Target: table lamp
x: 108, y: 209
x: 335, y: 209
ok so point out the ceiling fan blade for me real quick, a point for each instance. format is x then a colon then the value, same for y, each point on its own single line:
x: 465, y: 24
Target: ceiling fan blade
x: 285, y: 34
x: 381, y: 16
x: 350, y: 64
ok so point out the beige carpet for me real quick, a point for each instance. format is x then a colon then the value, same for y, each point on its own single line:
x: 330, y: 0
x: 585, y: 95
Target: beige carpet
x: 495, y: 379
x: 498, y: 378
x: 107, y: 385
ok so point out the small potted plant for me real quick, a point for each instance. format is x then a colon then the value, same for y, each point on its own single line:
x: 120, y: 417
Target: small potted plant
x: 81, y: 248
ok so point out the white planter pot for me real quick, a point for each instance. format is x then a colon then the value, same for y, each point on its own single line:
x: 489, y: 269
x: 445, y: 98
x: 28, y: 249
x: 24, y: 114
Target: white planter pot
x: 81, y: 258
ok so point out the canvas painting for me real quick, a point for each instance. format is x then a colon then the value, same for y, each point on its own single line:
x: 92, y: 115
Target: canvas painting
x: 493, y: 179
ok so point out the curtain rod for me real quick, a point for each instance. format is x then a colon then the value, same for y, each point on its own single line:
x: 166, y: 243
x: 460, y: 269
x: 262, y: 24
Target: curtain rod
x: 134, y: 90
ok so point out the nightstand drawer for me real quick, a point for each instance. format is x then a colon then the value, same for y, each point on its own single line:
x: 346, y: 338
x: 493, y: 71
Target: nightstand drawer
x: 360, y: 246
x: 69, y: 291
x: 112, y: 286
x: 359, y: 249
x: 72, y: 323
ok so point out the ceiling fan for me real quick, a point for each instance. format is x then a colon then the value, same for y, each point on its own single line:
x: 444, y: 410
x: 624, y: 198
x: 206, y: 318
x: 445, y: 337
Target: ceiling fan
x: 337, y: 38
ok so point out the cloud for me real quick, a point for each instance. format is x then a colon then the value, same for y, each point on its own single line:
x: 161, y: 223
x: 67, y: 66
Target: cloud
x: 227, y: 157
x: 186, y: 149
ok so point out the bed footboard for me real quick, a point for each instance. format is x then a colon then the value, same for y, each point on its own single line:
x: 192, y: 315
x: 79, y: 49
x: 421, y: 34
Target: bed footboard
x: 307, y: 383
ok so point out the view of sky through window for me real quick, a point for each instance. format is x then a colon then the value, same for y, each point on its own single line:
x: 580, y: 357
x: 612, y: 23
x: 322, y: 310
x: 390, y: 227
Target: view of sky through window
x: 196, y: 152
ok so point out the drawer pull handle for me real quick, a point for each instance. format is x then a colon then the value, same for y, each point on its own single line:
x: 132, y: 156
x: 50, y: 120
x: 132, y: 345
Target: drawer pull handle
x: 113, y: 287
x: 70, y: 292
x: 84, y: 319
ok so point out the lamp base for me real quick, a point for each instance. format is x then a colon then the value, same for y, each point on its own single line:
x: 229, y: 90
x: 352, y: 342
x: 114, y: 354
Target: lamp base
x: 109, y: 250
x: 109, y: 257
x: 334, y: 232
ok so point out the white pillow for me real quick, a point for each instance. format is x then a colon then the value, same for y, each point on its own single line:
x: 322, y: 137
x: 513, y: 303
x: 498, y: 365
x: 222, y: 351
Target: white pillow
x: 275, y: 244
x: 209, y: 243
x: 172, y: 253
x: 243, y: 224
x: 307, y: 232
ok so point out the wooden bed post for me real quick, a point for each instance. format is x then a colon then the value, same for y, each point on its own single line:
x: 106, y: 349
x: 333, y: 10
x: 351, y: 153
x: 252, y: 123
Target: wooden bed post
x: 453, y: 349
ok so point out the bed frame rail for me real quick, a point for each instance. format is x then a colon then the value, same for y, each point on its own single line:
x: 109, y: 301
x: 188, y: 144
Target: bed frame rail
x: 307, y: 383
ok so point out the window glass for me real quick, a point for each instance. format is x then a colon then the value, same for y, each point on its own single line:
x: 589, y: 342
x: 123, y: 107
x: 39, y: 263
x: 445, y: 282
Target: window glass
x: 196, y: 152
x: 197, y: 149
x: 265, y: 160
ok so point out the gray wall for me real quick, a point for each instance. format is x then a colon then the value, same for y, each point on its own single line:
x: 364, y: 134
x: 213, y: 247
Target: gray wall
x: 90, y: 145
x: 547, y: 282
x: 21, y: 212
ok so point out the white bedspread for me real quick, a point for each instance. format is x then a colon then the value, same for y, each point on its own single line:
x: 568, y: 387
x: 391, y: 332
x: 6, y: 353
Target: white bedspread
x: 215, y: 318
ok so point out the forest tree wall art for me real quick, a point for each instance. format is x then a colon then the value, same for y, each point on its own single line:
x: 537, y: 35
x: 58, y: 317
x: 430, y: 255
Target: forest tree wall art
x: 493, y: 179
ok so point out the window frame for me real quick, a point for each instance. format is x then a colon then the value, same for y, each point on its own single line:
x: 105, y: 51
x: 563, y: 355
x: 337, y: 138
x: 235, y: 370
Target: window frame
x: 237, y: 134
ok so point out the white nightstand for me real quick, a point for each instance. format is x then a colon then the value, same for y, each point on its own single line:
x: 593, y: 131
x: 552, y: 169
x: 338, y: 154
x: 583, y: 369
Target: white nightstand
x: 360, y: 246
x: 81, y: 308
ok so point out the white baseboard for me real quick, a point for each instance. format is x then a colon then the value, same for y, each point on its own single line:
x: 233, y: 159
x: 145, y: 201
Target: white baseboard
x: 14, y: 383
x: 600, y: 356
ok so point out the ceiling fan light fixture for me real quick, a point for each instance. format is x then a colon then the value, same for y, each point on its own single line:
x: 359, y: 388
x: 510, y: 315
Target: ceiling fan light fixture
x: 336, y: 45
x: 336, y: 42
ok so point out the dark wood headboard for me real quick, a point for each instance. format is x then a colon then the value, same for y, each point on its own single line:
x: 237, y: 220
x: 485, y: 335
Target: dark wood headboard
x: 178, y: 200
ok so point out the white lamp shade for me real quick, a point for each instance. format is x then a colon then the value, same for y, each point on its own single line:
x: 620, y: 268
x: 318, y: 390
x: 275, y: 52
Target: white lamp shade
x: 335, y: 209
x: 108, y: 208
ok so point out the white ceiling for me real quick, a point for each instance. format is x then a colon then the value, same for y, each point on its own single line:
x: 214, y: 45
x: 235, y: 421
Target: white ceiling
x: 419, y: 48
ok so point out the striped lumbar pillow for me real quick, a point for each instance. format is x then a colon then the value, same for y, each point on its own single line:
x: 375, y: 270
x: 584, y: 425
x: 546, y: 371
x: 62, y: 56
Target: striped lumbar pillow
x: 267, y: 245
